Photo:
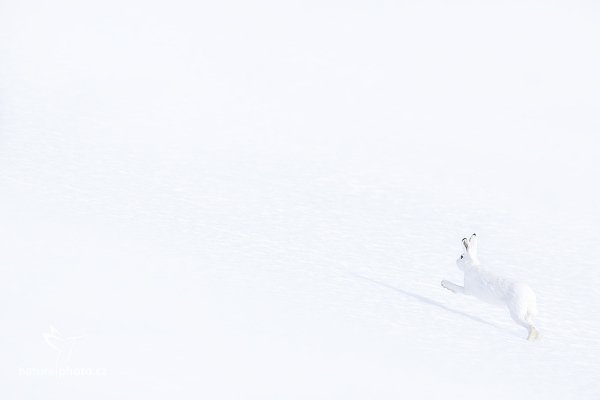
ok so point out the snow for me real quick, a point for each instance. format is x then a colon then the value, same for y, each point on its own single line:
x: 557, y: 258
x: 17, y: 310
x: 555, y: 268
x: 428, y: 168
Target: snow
x: 259, y: 200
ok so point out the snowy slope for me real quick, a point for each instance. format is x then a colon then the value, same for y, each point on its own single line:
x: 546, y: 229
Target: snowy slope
x: 260, y: 200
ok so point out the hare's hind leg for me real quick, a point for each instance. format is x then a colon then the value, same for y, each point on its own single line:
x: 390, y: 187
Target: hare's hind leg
x: 453, y: 287
x: 525, y: 321
x: 534, y: 334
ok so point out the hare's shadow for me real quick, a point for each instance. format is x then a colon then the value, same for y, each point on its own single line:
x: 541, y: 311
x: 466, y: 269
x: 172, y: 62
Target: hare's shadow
x: 432, y: 302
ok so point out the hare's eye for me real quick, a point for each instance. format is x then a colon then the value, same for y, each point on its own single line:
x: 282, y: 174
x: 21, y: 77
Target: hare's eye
x: 461, y: 256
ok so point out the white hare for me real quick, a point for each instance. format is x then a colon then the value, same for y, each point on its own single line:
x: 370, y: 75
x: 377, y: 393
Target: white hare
x: 485, y: 285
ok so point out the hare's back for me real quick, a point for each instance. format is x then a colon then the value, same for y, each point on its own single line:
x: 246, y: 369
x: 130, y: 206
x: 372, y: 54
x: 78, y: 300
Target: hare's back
x: 487, y: 286
x: 521, y: 294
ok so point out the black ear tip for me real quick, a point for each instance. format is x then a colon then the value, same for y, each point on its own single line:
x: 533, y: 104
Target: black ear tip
x: 463, y: 239
x: 474, y: 234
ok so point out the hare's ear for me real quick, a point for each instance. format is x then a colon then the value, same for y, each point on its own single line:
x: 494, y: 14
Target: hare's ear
x: 465, y: 243
x: 473, y: 244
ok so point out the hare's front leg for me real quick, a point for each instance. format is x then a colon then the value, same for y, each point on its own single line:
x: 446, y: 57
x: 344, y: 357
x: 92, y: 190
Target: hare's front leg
x: 453, y: 287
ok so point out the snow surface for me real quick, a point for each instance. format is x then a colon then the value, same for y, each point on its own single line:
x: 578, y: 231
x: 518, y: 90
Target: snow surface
x: 258, y: 200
